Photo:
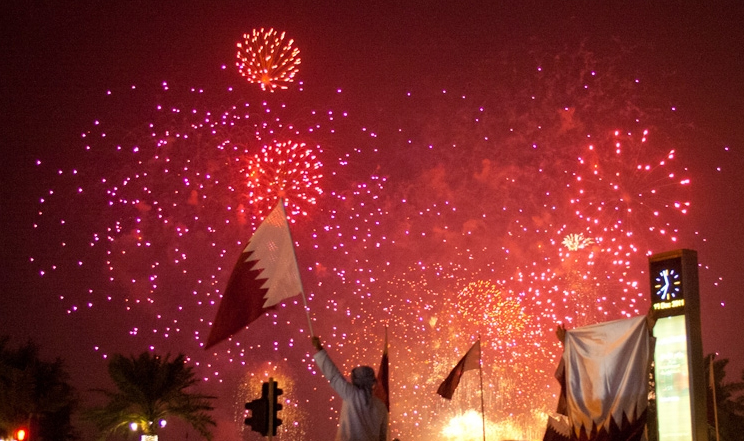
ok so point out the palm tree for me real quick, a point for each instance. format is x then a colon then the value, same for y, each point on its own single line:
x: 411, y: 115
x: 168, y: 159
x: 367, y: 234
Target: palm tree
x: 149, y: 390
x: 729, y: 403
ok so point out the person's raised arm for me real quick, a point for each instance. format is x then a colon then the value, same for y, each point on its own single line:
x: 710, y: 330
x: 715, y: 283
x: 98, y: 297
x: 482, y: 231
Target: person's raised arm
x: 317, y: 344
x: 560, y: 332
x: 344, y: 388
x: 651, y: 319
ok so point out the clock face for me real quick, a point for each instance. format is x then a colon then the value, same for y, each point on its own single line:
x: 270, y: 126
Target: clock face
x: 668, y: 284
x: 672, y: 277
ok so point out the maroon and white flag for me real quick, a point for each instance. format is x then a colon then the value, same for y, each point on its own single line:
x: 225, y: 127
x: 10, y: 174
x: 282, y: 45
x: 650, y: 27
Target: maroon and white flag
x: 266, y: 273
x: 471, y: 360
x: 606, y: 374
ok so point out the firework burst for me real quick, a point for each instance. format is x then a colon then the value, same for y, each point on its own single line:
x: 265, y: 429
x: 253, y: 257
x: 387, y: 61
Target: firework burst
x: 284, y: 170
x: 629, y: 188
x: 267, y: 59
x: 574, y: 242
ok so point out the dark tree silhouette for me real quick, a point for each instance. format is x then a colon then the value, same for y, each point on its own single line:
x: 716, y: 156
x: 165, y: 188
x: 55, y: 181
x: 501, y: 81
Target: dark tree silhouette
x: 729, y: 398
x: 34, y: 395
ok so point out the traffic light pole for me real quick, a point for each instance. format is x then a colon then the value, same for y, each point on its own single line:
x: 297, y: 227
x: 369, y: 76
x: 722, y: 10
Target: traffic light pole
x: 263, y: 418
x: 271, y: 408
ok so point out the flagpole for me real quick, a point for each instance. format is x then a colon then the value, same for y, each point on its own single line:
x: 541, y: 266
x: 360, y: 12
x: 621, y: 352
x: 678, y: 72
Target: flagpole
x: 302, y: 288
x: 480, y: 370
x: 713, y: 386
x: 385, y: 351
x: 307, y: 313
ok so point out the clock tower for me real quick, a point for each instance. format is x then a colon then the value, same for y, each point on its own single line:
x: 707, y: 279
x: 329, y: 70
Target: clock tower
x: 679, y: 371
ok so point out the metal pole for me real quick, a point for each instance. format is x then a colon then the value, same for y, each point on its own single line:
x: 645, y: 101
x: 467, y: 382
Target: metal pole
x: 302, y: 289
x: 480, y: 370
x: 271, y: 408
x: 713, y: 386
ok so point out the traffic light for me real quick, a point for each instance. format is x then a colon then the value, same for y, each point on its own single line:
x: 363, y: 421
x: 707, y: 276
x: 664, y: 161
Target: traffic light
x: 259, y: 418
x: 274, y: 405
x: 20, y: 434
x: 264, y: 409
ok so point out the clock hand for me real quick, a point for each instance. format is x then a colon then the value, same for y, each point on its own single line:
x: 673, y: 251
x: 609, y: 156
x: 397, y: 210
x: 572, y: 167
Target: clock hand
x: 665, y: 296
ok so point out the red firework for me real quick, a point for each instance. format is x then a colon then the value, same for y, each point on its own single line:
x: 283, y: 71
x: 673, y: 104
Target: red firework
x: 283, y: 170
x: 265, y: 58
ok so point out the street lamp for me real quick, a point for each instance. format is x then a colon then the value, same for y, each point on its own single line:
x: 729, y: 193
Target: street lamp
x: 134, y: 426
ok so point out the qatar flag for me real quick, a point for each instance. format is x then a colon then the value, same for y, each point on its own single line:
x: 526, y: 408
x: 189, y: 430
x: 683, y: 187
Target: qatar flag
x: 471, y: 360
x: 606, y: 368
x: 382, y: 389
x: 266, y: 273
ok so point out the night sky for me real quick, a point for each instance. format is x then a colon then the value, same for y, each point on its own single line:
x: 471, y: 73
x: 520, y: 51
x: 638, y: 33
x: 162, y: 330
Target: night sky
x: 449, y: 136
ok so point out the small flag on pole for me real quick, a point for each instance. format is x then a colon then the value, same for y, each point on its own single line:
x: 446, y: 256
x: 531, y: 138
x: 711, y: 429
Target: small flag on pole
x: 471, y: 360
x: 382, y: 390
x: 266, y: 273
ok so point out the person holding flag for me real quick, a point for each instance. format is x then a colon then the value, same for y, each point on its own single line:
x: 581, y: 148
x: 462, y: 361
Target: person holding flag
x: 267, y: 273
x: 364, y: 417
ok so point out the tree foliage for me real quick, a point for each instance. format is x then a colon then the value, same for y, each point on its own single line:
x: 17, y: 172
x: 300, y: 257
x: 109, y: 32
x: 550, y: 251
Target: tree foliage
x: 34, y: 395
x: 729, y: 399
x: 150, y: 389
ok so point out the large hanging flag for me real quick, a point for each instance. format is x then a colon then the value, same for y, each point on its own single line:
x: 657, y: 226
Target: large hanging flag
x: 559, y: 428
x: 382, y: 390
x: 606, y: 372
x: 266, y: 273
x: 471, y: 360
